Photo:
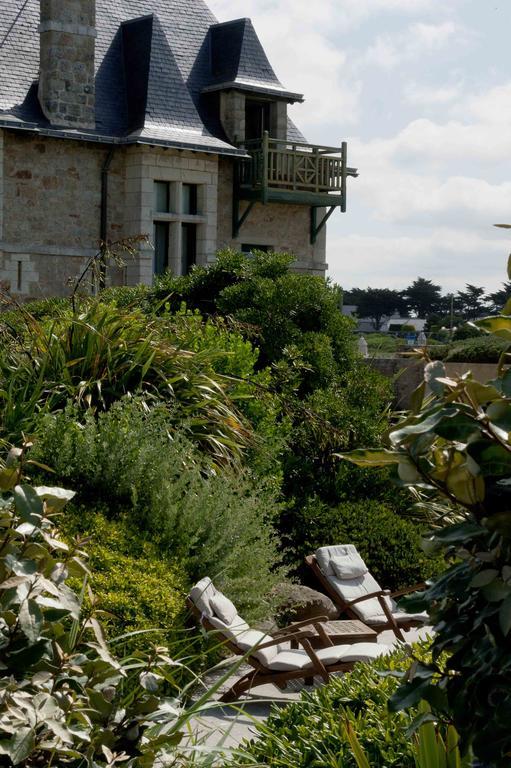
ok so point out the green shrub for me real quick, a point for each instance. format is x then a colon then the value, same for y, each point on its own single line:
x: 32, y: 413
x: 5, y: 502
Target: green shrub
x: 216, y: 524
x: 381, y: 343
x: 137, y: 584
x: 390, y: 545
x: 483, y: 349
x: 310, y: 732
x: 351, y: 411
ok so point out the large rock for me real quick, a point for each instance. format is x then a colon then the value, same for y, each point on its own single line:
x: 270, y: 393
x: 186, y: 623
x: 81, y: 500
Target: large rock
x: 297, y: 603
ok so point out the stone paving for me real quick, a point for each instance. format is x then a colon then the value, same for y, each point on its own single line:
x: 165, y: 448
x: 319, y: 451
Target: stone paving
x: 225, y: 726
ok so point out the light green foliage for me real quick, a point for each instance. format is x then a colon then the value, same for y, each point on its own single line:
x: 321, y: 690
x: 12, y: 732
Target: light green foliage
x: 453, y: 451
x: 133, y: 580
x: 216, y: 524
x: 382, y: 344
x: 65, y: 698
x: 433, y: 747
x: 311, y: 732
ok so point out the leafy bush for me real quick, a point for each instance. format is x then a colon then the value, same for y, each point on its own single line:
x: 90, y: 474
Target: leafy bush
x: 483, y: 349
x: 381, y: 343
x: 311, y: 731
x: 454, y: 452
x: 213, y: 524
x: 350, y: 412
x: 390, y: 545
x: 136, y: 583
x: 65, y: 699
x: 275, y: 306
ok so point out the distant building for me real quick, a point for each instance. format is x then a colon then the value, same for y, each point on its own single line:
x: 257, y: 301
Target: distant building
x: 391, y: 324
x: 121, y: 118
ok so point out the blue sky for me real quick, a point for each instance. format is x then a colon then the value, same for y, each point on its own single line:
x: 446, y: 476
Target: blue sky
x: 421, y: 90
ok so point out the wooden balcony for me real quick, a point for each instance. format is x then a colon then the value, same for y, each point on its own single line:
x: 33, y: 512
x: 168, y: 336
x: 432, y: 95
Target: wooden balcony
x: 293, y: 172
x: 296, y: 173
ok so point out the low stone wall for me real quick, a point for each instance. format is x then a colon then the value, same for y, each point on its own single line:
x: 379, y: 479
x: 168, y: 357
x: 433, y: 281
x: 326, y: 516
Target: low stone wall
x: 407, y: 374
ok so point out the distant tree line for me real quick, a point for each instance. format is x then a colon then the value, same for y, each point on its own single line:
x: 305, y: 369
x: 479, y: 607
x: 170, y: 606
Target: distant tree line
x: 423, y: 298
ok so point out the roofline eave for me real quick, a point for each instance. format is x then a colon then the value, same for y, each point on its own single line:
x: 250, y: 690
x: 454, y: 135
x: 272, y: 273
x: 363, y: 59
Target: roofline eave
x: 98, y: 138
x: 254, y: 88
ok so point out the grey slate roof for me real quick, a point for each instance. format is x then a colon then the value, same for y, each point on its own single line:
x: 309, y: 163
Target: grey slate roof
x: 153, y: 66
x: 238, y: 59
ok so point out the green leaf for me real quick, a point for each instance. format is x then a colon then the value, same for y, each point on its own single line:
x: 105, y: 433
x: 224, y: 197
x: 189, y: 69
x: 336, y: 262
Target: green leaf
x: 505, y: 616
x: 496, y: 591
x: 30, y: 620
x: 360, y: 758
x: 19, y: 746
x: 367, y: 458
x: 55, y: 498
x: 483, y: 578
x: 28, y: 504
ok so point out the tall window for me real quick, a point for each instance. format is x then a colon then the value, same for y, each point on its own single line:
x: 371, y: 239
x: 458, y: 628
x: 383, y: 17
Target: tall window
x: 175, y: 232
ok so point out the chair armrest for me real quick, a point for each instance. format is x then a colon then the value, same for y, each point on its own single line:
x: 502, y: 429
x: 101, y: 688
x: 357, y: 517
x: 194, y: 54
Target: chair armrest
x: 277, y: 640
x: 305, y: 623
x: 408, y: 590
x: 378, y: 593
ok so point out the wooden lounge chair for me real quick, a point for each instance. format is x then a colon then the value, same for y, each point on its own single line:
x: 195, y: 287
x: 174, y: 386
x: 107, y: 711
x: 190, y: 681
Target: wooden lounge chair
x: 346, y: 579
x: 274, y: 659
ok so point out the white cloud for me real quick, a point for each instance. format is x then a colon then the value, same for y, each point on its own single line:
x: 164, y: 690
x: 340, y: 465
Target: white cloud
x: 394, y: 262
x: 429, y: 95
x: 492, y: 106
x: 417, y: 40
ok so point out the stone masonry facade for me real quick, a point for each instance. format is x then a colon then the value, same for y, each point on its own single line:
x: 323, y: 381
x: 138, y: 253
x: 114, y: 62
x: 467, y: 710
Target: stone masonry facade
x: 50, y: 198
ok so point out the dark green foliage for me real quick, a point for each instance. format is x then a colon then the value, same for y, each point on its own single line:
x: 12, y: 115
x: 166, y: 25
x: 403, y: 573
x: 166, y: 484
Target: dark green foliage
x: 275, y: 305
x: 390, y: 545
x: 454, y: 452
x: 349, y: 412
x: 377, y: 303
x: 210, y: 523
x: 311, y: 732
x: 482, y: 349
x: 466, y: 331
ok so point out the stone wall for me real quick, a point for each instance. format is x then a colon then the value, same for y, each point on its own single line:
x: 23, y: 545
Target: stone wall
x: 51, y: 210
x: 407, y: 374
x: 284, y: 227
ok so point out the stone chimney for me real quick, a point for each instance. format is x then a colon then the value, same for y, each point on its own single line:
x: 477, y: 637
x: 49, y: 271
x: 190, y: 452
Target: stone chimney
x: 66, y: 78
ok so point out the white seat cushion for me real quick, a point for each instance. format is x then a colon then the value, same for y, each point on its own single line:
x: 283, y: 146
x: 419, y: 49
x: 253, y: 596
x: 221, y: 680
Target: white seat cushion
x: 298, y: 659
x: 202, y: 593
x: 245, y: 638
x: 223, y: 608
x: 325, y: 554
x: 350, y: 653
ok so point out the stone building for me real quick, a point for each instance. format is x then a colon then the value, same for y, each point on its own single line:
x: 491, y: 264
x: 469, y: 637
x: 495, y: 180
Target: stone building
x: 127, y: 117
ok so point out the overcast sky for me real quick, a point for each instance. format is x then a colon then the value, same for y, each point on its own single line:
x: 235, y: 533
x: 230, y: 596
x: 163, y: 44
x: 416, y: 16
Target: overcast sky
x: 421, y: 90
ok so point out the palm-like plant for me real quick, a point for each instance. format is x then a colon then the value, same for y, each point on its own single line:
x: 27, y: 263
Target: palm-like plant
x: 101, y: 354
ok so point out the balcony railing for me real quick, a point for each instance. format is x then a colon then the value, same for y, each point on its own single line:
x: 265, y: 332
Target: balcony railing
x: 279, y: 169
